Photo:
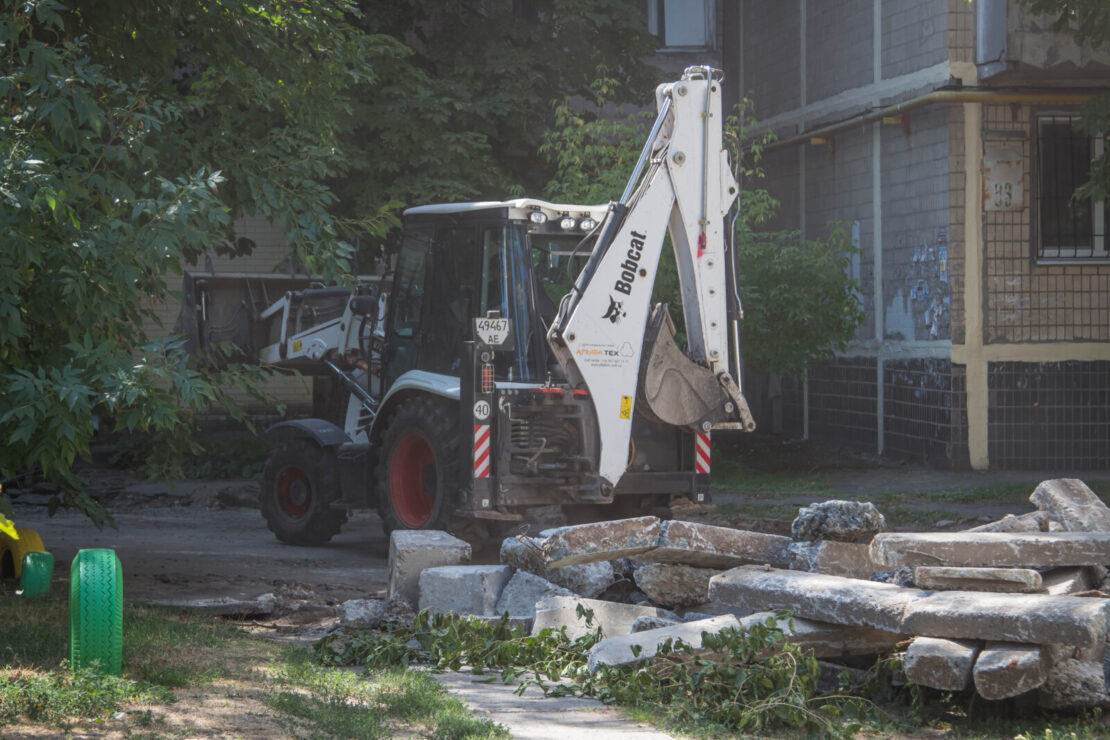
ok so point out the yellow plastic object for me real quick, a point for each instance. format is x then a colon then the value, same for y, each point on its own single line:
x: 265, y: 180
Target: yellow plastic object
x: 12, y: 550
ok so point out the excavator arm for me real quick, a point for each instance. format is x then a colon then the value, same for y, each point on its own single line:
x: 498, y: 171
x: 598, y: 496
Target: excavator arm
x: 608, y: 338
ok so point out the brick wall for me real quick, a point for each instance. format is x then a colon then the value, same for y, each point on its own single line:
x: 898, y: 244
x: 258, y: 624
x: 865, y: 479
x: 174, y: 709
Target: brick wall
x: 915, y: 35
x: 839, y: 38
x: 771, y: 56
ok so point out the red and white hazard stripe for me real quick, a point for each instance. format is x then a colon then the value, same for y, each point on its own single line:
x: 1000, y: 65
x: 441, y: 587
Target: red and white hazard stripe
x: 701, y: 453
x: 481, y: 450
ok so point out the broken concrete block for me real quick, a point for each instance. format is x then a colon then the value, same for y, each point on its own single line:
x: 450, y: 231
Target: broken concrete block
x: 590, y: 543
x: 361, y: 613
x: 991, y: 549
x: 1030, y: 618
x: 1070, y: 502
x: 847, y: 559
x: 707, y: 546
x: 828, y: 640
x: 1027, y: 618
x: 1034, y: 521
x: 622, y: 650
x: 614, y: 619
x: 588, y: 579
x: 1075, y: 684
x: 643, y: 624
x: 939, y: 663
x: 413, y: 550
x: 1063, y: 581
x: 523, y: 590
x: 463, y: 589
x: 997, y: 580
x: 672, y: 585
x: 225, y: 606
x: 814, y: 596
x: 1008, y: 669
x: 842, y: 521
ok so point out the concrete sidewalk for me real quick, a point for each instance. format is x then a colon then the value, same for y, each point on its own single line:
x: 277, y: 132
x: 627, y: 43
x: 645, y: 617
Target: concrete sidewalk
x: 532, y: 716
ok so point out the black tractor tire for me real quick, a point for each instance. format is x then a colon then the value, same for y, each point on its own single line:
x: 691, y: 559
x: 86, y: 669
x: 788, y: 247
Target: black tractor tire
x: 421, y: 465
x: 299, y: 483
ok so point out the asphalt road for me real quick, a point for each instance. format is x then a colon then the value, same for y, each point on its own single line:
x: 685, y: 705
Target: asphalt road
x: 183, y: 552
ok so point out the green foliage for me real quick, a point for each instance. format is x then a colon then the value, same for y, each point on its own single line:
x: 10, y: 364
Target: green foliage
x: 742, y: 681
x: 58, y: 697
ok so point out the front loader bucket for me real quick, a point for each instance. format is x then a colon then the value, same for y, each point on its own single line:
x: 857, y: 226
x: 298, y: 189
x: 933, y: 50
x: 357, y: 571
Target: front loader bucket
x: 676, y: 390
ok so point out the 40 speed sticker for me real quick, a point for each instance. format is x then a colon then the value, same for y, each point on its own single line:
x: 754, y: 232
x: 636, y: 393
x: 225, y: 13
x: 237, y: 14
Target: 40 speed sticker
x: 481, y: 410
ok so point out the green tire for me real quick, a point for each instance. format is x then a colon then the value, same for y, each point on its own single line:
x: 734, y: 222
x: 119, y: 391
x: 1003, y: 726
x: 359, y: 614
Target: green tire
x: 34, y: 580
x: 96, y: 611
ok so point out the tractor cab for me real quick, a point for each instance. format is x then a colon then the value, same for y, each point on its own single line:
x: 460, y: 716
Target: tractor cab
x: 459, y: 262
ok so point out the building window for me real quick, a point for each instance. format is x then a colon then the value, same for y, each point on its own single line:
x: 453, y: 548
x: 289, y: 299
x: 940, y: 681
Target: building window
x: 682, y: 24
x: 1068, y: 229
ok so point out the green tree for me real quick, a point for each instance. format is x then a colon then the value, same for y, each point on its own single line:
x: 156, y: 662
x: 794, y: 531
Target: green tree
x: 110, y: 182
x: 800, y: 306
x: 1089, y: 21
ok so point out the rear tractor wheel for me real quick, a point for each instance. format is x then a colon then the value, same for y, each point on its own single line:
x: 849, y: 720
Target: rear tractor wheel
x: 299, y: 483
x: 420, y: 466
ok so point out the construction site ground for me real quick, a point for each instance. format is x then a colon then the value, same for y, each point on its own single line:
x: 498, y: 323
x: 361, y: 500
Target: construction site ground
x: 190, y: 541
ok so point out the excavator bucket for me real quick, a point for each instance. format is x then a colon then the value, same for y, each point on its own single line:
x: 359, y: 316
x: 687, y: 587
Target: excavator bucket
x: 674, y: 389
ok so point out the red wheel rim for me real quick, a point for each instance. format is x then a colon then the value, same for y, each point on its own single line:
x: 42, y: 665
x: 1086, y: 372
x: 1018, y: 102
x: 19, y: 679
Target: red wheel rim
x: 294, y: 492
x: 408, y: 473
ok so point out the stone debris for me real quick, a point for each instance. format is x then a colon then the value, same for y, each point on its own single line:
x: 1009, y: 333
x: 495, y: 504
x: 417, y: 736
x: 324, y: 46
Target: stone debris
x: 519, y: 597
x: 674, y: 586
x: 588, y: 579
x: 1031, y: 618
x: 707, y: 546
x: 463, y: 589
x: 1034, y: 521
x: 637, y: 647
x: 941, y: 664
x: 413, y: 550
x: 612, y: 618
x: 848, y: 559
x: 841, y: 521
x: 998, y: 580
x: 991, y: 549
x: 226, y: 606
x: 1001, y: 609
x: 361, y: 613
x: 590, y: 543
x: 1008, y: 669
x: 1075, y: 506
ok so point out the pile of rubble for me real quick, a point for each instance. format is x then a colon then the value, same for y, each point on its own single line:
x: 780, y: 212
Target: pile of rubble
x: 1005, y: 608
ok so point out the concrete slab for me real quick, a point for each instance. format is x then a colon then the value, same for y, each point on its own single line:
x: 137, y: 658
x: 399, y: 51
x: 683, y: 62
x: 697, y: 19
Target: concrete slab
x: 996, y: 580
x: 614, y: 619
x: 1063, y: 581
x: 991, y: 549
x: 532, y: 716
x: 1075, y: 684
x: 1033, y: 521
x: 588, y: 579
x: 1027, y: 618
x: 463, y: 589
x: 673, y: 585
x: 589, y: 543
x: 413, y: 550
x: 523, y: 590
x: 941, y: 664
x: 707, y: 546
x: 1072, y: 503
x: 1007, y: 669
x: 640, y: 646
x: 847, y: 559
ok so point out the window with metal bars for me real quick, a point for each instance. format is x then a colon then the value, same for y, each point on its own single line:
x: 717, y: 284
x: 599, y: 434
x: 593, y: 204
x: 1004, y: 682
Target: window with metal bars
x: 1069, y: 228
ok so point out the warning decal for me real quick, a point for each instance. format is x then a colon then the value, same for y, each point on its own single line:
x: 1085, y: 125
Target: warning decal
x: 626, y: 407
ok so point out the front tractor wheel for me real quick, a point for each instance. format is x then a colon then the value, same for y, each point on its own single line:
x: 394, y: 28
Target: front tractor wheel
x: 299, y: 483
x: 419, y: 466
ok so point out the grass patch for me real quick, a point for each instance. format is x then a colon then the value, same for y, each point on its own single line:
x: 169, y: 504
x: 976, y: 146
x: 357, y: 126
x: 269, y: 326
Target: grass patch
x: 172, y: 658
